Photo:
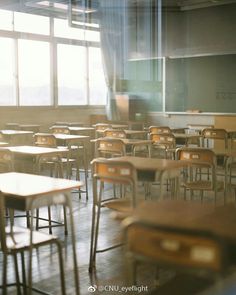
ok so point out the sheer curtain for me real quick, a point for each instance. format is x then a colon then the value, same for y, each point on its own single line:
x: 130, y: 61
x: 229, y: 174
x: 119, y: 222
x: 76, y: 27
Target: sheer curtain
x: 112, y: 15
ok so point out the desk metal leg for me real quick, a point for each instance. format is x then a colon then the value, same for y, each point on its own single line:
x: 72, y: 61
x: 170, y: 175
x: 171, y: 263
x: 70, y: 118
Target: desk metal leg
x: 76, y: 273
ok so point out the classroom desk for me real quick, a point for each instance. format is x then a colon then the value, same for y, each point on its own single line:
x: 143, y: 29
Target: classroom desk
x: 17, y: 137
x: 71, y: 124
x: 27, y: 192
x: 34, y: 154
x: 155, y: 170
x: 198, y: 127
x: 190, y: 231
x: 220, y: 220
x: 30, y: 127
x: 188, y: 137
x: 71, y: 138
x: 135, y: 134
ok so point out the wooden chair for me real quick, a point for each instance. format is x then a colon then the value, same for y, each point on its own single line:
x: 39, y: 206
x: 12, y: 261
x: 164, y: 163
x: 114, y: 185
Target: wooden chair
x: 178, y: 249
x: 198, y: 159
x: 214, y: 134
x: 231, y: 175
x: 101, y: 127
x: 109, y: 147
x: 163, y: 144
x: 112, y: 172
x: 17, y: 240
x: 6, y: 161
x: 60, y: 129
x: 159, y: 129
x: 114, y: 133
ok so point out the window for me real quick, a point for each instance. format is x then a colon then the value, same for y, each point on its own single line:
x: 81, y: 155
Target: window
x: 71, y: 61
x: 30, y: 23
x: 34, y: 73
x: 62, y: 29
x: 97, y: 85
x: 40, y: 54
x: 7, y: 87
x: 6, y: 18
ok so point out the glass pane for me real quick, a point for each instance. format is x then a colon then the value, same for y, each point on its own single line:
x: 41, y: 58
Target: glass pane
x: 34, y: 72
x: 31, y: 23
x: 7, y: 88
x: 92, y: 36
x: 62, y: 29
x: 97, y: 85
x: 71, y: 75
x: 6, y: 20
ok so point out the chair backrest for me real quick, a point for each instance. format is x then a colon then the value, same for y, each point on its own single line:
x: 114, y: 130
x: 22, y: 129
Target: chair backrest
x: 115, y: 133
x: 178, y: 248
x: 116, y: 172
x: 102, y: 126
x: 214, y: 133
x: 196, y: 155
x: 159, y: 129
x: 110, y: 147
x: 6, y: 160
x: 165, y: 139
x: 45, y: 140
x: 60, y: 129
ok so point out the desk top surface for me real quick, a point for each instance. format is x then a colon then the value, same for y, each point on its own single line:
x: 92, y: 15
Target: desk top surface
x: 188, y: 215
x: 29, y: 185
x: 34, y: 150
x: 150, y: 164
x: 70, y: 136
x: 16, y: 132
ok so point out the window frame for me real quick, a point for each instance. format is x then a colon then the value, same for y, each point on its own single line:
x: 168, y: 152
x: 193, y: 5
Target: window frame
x: 53, y: 42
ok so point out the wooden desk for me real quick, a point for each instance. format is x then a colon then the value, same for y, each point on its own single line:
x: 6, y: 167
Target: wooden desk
x: 220, y: 220
x: 159, y: 170
x: 199, y: 127
x: 17, y: 137
x: 28, y: 192
x: 184, y: 235
x: 71, y: 124
x: 187, y: 137
x: 34, y: 154
x: 30, y: 127
x: 137, y: 134
x: 69, y: 139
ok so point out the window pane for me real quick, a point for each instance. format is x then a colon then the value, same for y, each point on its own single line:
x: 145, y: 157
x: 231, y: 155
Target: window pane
x: 92, y: 36
x: 71, y: 75
x: 34, y: 72
x: 62, y: 29
x: 6, y: 20
x: 31, y: 23
x: 7, y: 88
x: 97, y: 85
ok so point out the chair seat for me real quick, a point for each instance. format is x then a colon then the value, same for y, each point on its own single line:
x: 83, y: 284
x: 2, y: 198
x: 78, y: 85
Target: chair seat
x: 21, y: 236
x: 119, y: 205
x: 203, y: 185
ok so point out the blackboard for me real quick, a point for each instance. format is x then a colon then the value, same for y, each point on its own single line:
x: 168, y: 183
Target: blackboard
x: 204, y: 83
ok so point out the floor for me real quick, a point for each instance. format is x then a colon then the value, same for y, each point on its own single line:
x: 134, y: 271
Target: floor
x: 109, y: 276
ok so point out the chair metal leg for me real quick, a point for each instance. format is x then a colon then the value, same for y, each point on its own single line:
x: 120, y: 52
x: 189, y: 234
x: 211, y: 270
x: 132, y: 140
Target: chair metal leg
x: 4, y: 275
x: 23, y: 272
x: 49, y: 220
x: 65, y: 220
x: 18, y: 285
x: 61, y: 265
